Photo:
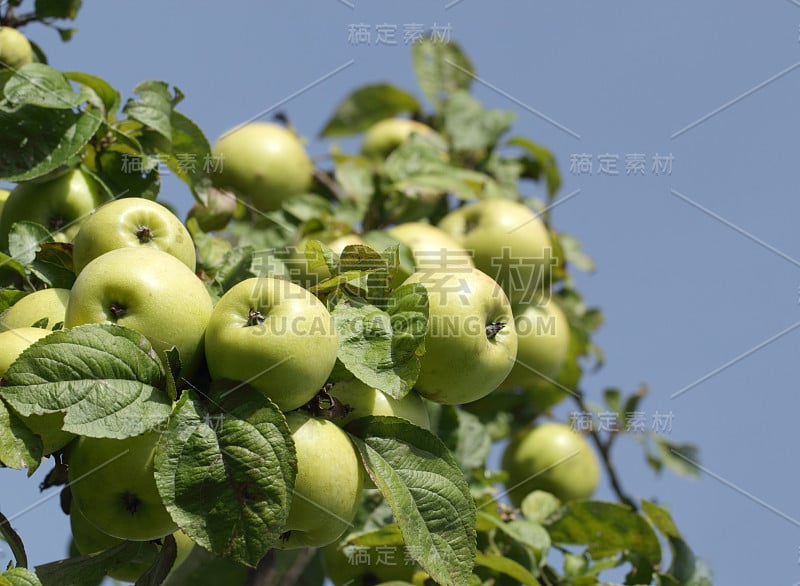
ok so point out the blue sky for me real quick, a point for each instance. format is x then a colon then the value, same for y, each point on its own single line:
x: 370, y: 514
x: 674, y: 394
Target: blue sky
x: 697, y: 268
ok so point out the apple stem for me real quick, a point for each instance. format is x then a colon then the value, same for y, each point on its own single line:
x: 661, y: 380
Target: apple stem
x: 144, y: 234
x: 255, y: 318
x: 493, y: 328
x: 117, y: 310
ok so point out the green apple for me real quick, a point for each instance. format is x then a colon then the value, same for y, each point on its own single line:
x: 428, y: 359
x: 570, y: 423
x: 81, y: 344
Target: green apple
x: 132, y: 222
x: 4, y: 193
x: 327, y: 489
x: 361, y: 565
x: 59, y: 204
x: 543, y: 333
x: 353, y: 399
x: 15, y: 49
x: 471, y: 342
x: 383, y: 137
x: 47, y: 426
x: 275, y: 336
x: 264, y: 163
x: 509, y: 243
x: 550, y: 457
x: 113, y: 483
x: 46, y: 303
x: 147, y: 290
x: 431, y: 247
x: 221, y: 207
x: 89, y: 539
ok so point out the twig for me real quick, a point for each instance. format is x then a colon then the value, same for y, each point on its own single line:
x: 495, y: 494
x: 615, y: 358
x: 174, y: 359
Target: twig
x: 604, y: 447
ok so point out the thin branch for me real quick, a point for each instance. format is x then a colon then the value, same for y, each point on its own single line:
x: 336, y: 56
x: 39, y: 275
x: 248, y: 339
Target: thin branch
x: 330, y: 183
x: 604, y: 448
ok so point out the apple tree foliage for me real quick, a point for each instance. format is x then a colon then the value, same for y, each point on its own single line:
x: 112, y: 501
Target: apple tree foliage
x: 224, y: 445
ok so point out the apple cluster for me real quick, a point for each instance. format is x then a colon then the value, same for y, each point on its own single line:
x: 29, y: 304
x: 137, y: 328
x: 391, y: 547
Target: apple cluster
x: 486, y: 269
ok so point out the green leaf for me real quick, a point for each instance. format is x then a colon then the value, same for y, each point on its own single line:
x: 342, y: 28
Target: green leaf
x: 19, y: 446
x: 108, y: 96
x: 427, y: 492
x: 191, y: 152
x: 680, y: 458
x: 542, y: 162
x: 573, y: 253
x: 128, y: 175
x: 239, y: 456
x: 441, y: 69
x: 14, y: 541
x: 685, y: 567
x: 93, y: 567
x: 36, y: 141
x: 40, y: 85
x: 355, y: 177
x: 156, y: 573
x: 539, y: 505
x: 366, y: 106
x: 153, y: 108
x: 9, y: 297
x: 20, y: 577
x: 382, y: 348
x: 105, y: 378
x: 25, y: 240
x: 58, y: 8
x: 417, y: 168
x: 606, y: 529
x: 506, y: 566
x: 235, y: 267
x: 8, y: 264
x: 470, y: 126
x: 465, y: 436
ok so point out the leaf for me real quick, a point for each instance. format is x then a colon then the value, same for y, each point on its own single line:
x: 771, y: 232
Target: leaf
x: 128, y: 175
x: 539, y: 505
x: 108, y: 96
x: 24, y: 241
x: 20, y: 577
x: 571, y: 248
x: 153, y: 108
x: 93, y: 567
x: 58, y: 8
x: 465, y: 436
x: 606, y: 529
x: 14, y: 541
x: 470, y: 126
x: 506, y: 566
x: 417, y: 168
x: 9, y: 297
x: 191, y: 152
x: 685, y: 567
x: 40, y: 85
x: 8, y: 264
x: 381, y: 348
x: 238, y: 456
x: 543, y: 162
x: 441, y: 69
x: 682, y: 459
x: 36, y: 141
x: 105, y: 378
x: 155, y: 574
x: 234, y: 268
x: 366, y: 106
x: 355, y: 177
x: 426, y: 491
x: 19, y: 446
